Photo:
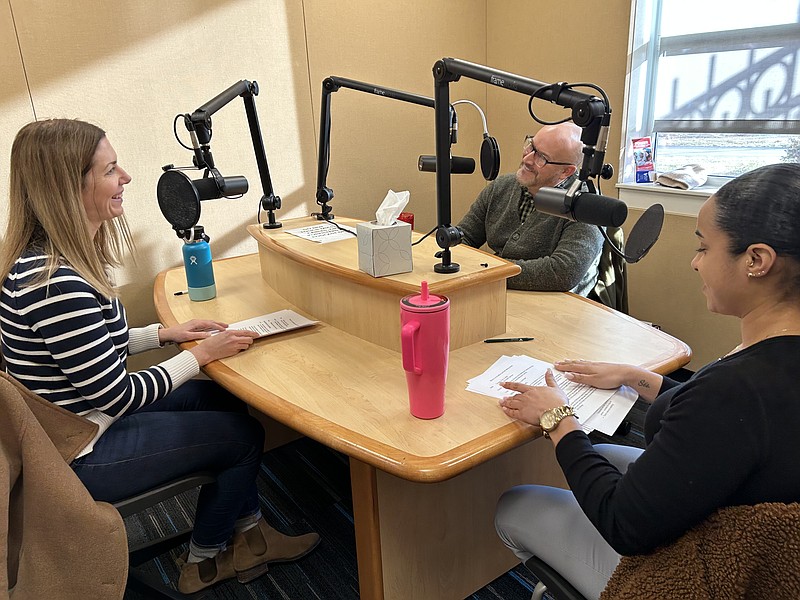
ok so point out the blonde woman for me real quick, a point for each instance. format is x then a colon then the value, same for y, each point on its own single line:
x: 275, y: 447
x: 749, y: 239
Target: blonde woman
x: 66, y: 338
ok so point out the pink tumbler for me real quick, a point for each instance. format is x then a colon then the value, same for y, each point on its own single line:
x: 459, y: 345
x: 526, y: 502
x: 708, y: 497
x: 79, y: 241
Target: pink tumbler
x: 425, y: 343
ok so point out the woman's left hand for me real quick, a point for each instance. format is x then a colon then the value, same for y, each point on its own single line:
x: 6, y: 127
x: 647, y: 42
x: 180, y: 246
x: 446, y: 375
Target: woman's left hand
x: 532, y: 401
x: 196, y: 329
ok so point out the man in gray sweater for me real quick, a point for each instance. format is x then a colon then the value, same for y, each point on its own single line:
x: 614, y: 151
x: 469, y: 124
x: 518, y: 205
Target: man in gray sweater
x: 556, y: 255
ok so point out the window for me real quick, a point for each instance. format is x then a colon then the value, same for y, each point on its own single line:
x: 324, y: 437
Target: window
x: 714, y: 82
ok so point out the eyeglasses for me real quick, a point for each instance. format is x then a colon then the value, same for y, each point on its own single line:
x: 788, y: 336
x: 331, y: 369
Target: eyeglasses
x: 539, y: 160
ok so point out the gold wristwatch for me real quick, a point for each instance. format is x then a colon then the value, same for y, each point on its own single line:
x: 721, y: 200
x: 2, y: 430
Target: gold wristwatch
x: 552, y: 417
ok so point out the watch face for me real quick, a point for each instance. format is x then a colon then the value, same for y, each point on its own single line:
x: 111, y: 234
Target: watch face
x: 552, y: 417
x: 548, y: 420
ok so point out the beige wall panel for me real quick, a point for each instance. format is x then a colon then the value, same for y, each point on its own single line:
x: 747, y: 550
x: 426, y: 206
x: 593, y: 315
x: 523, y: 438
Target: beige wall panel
x: 375, y: 142
x: 663, y: 289
x: 565, y: 40
x: 131, y: 67
x: 15, y: 106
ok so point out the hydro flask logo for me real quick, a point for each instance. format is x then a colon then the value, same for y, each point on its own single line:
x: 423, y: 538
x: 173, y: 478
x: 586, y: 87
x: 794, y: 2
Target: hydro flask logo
x: 193, y: 260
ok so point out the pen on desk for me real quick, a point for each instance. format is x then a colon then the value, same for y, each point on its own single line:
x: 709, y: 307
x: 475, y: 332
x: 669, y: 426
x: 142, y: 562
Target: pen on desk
x: 181, y: 293
x: 516, y: 339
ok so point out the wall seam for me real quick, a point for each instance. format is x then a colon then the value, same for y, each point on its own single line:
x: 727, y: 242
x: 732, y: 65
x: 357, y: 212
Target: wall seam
x: 308, y: 67
x: 22, y: 59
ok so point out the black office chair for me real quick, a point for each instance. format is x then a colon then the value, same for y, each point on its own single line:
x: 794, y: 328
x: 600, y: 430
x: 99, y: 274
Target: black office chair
x: 139, y: 554
x: 550, y: 581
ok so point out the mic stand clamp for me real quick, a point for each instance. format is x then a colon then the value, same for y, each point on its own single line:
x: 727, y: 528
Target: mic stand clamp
x: 447, y: 236
x: 324, y: 195
x: 271, y: 203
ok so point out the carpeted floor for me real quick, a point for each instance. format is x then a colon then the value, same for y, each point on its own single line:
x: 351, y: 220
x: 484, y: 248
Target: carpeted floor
x: 305, y: 486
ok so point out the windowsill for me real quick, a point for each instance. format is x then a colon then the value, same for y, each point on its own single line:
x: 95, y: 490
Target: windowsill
x: 704, y: 190
x: 675, y: 201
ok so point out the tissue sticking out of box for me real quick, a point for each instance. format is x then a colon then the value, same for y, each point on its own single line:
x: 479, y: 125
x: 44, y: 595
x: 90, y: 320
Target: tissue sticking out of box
x: 384, y: 245
x: 391, y: 207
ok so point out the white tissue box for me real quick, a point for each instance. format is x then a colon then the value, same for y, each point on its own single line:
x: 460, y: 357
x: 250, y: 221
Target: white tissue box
x: 384, y: 249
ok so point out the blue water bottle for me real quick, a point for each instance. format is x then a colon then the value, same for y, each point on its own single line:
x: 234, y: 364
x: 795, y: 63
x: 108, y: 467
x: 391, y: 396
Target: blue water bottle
x: 197, y: 262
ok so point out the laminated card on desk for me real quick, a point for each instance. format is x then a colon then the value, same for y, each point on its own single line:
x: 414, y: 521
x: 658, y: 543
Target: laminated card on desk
x: 277, y: 322
x: 324, y: 233
x: 596, y: 409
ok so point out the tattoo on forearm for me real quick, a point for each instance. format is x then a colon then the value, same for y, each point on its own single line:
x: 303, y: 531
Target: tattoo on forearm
x: 643, y: 384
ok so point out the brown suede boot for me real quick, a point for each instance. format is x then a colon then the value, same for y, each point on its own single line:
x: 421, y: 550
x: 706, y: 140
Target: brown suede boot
x: 260, y: 545
x: 198, y: 576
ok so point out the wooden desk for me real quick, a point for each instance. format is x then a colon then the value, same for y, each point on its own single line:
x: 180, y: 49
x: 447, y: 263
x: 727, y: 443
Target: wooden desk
x: 424, y: 492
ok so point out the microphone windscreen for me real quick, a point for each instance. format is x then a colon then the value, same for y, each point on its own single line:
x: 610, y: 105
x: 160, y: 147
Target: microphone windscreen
x: 178, y: 199
x: 233, y: 185
x: 462, y: 165
x: 595, y: 209
x: 458, y: 164
x: 644, y: 234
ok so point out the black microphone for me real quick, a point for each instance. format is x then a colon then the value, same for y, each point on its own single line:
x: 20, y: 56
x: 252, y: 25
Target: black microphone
x: 583, y: 207
x: 599, y: 210
x: 459, y: 165
x: 179, y: 196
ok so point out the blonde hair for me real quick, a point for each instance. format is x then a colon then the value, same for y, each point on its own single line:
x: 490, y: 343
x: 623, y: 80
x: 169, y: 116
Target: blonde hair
x: 49, y: 163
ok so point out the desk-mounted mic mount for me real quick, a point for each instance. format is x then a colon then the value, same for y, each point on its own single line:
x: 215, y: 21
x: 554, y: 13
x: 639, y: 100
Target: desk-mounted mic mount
x: 457, y: 164
x: 179, y: 196
x: 589, y: 112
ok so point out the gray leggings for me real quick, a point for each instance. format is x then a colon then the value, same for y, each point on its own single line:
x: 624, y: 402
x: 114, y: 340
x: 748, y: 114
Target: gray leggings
x: 547, y: 522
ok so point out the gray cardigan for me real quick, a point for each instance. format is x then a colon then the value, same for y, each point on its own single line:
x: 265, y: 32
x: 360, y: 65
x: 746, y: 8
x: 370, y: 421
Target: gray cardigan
x: 556, y: 255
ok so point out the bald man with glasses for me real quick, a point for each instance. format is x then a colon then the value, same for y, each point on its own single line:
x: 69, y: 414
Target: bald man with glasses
x: 556, y: 255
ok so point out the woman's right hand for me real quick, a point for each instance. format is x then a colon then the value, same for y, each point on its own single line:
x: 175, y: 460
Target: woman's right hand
x: 222, y: 345
x: 609, y: 376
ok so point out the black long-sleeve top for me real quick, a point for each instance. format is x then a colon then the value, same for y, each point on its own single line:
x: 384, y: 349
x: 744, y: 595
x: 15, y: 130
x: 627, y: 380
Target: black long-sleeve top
x: 729, y: 436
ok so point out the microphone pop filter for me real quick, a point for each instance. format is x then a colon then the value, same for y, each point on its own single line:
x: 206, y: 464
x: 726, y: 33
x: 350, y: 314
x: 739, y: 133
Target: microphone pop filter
x: 490, y: 158
x: 644, y: 234
x: 178, y: 199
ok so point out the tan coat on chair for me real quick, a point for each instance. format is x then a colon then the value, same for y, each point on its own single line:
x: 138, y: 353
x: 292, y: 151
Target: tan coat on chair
x: 57, y: 541
x: 739, y: 552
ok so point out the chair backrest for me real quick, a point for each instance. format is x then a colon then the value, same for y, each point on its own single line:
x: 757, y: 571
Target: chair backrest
x: 611, y: 288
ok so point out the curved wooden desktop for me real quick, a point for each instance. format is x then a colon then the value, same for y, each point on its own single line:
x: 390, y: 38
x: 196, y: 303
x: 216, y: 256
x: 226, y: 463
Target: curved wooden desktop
x: 423, y: 491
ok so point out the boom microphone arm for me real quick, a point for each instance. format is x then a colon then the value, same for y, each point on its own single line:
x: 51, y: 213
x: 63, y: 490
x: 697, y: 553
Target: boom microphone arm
x: 333, y: 84
x: 590, y: 113
x: 199, y: 126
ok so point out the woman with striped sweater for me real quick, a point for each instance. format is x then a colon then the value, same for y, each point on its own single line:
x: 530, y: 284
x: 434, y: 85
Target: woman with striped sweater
x: 65, y: 337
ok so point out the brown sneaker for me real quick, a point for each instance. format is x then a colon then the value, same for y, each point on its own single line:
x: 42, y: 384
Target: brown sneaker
x: 254, y: 549
x: 198, y: 576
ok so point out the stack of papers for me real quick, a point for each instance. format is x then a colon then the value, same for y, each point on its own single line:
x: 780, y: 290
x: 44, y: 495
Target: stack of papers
x: 277, y: 322
x: 598, y: 409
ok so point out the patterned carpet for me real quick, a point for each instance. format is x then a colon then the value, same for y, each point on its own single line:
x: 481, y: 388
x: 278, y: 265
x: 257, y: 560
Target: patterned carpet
x: 305, y: 486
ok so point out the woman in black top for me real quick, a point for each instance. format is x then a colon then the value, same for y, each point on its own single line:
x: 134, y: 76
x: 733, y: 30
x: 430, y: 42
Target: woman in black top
x: 726, y: 437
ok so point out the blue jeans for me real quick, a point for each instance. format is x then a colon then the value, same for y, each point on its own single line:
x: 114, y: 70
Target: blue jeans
x: 197, y: 427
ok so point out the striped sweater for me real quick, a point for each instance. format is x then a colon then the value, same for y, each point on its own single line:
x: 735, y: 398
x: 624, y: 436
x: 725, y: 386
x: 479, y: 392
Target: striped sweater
x: 66, y: 342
